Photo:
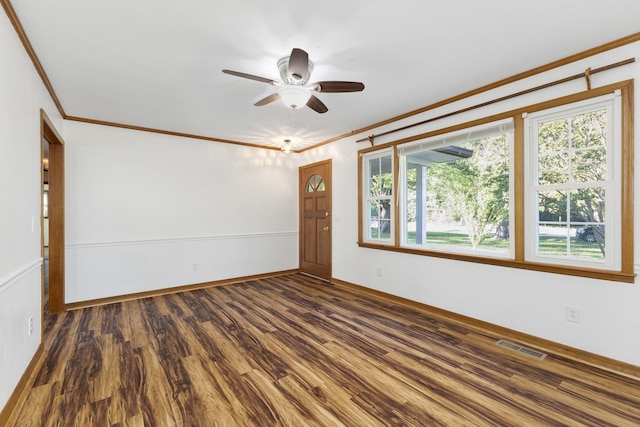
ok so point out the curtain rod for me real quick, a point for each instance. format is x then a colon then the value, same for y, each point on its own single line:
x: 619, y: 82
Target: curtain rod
x: 586, y: 75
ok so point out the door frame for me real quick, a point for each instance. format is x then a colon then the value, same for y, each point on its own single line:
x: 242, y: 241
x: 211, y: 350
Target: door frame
x: 301, y: 191
x: 49, y: 135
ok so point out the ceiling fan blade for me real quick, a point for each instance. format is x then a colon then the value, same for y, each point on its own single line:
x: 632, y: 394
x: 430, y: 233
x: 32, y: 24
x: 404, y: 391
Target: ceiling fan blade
x: 315, y: 104
x: 249, y: 76
x: 268, y: 100
x: 299, y: 64
x: 339, y: 86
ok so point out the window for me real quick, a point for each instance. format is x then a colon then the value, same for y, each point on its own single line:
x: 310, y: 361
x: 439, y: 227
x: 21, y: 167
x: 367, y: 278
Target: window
x: 378, y: 200
x: 572, y: 190
x: 547, y: 187
x: 314, y: 183
x: 456, y: 191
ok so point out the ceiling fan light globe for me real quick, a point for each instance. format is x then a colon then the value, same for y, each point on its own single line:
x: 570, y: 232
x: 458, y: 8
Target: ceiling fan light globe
x: 294, y: 97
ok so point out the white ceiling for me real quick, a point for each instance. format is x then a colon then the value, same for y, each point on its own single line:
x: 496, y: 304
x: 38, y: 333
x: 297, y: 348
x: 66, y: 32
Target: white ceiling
x: 157, y: 63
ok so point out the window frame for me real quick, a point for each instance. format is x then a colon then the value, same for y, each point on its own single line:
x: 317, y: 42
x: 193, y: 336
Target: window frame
x: 611, y: 184
x: 625, y: 272
x: 442, y: 140
x: 364, y: 187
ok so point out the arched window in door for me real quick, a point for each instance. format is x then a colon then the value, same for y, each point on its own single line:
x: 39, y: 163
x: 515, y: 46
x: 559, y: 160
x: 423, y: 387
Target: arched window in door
x: 314, y: 183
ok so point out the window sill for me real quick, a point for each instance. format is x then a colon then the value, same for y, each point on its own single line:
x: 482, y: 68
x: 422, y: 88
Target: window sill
x: 614, y: 276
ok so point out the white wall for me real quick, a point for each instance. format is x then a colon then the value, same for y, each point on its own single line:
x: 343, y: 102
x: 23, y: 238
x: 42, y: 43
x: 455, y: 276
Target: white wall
x: 143, y: 208
x: 526, y: 301
x: 22, y: 94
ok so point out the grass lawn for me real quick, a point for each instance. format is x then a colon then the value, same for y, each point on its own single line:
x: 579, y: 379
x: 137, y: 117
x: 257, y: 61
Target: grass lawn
x: 549, y: 245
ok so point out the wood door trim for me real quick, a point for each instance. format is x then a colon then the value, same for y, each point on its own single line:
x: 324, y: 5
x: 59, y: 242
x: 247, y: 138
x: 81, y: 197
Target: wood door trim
x: 56, y: 213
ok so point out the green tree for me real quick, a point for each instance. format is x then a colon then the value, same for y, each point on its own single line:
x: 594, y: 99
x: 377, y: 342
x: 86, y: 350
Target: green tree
x: 573, y: 150
x: 475, y: 189
x: 382, y: 185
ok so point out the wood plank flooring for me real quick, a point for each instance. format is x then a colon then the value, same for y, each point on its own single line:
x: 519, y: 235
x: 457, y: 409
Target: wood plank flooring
x: 294, y: 351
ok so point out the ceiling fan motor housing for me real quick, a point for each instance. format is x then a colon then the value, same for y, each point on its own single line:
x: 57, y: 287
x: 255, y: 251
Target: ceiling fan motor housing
x: 289, y: 78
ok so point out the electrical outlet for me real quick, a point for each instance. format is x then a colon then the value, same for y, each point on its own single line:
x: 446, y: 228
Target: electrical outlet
x: 194, y: 266
x: 30, y: 326
x: 572, y: 313
x: 379, y: 272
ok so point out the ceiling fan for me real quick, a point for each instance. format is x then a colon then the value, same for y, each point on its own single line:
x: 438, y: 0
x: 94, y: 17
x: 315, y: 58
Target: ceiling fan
x: 295, y: 71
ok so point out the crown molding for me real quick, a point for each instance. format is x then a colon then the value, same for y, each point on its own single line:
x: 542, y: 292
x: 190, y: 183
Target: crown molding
x: 166, y: 132
x: 22, y: 35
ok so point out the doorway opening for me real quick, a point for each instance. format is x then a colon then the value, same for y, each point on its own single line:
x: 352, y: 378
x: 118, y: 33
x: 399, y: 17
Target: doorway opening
x: 52, y: 217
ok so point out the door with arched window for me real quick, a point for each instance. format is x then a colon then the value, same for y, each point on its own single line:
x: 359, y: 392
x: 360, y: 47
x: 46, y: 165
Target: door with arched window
x: 315, y: 219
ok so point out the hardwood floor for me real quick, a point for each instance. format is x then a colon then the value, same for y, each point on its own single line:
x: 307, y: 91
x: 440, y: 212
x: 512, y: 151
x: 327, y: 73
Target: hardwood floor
x: 295, y: 351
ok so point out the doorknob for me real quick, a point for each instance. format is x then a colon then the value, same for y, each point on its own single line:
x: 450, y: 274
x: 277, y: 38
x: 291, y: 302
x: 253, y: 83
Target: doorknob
x: 326, y: 214
x: 326, y: 229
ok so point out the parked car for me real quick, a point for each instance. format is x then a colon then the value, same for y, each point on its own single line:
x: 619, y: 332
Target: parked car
x: 588, y: 234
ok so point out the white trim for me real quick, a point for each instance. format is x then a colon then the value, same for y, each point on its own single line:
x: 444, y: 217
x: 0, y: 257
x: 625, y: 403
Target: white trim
x: 8, y: 281
x: 180, y: 239
x: 612, y: 183
x: 393, y: 198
